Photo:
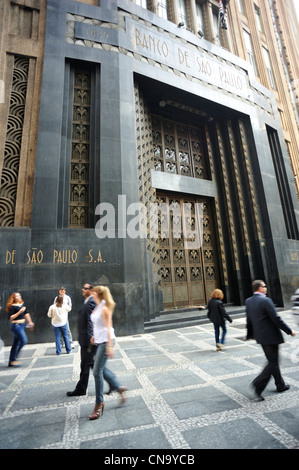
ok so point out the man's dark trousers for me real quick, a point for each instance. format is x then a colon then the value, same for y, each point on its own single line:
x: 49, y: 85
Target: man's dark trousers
x: 272, y: 368
x: 87, y: 361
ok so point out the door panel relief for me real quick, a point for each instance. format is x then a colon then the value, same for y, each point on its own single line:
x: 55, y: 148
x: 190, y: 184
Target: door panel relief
x: 188, y: 269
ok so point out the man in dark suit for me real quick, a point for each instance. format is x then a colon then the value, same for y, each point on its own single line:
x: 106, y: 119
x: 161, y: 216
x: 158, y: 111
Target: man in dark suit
x: 85, y: 331
x: 264, y: 325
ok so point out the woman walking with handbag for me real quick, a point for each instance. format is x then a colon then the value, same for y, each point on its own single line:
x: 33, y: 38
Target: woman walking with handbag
x: 103, y: 338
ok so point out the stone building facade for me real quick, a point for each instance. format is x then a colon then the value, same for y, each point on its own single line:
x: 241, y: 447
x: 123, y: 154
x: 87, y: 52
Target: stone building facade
x: 145, y: 146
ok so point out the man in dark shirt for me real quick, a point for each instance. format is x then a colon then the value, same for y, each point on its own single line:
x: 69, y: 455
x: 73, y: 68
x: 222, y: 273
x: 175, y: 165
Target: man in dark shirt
x: 264, y: 325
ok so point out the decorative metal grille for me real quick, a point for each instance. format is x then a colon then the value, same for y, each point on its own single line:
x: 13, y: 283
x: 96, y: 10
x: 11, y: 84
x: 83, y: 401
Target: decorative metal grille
x: 188, y: 273
x: 14, y: 133
x: 79, y: 179
x: 178, y: 149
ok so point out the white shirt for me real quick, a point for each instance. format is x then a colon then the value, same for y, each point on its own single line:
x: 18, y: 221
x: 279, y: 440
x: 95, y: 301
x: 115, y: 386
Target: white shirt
x: 59, y: 315
x: 100, y: 331
x: 66, y: 300
x: 86, y: 300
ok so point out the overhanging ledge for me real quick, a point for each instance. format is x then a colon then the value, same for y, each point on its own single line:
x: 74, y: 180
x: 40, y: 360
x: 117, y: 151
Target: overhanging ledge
x: 183, y: 184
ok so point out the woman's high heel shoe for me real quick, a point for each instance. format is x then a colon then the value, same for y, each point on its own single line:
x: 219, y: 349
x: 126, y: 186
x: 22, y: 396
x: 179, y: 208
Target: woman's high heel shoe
x: 121, y: 391
x: 98, y: 410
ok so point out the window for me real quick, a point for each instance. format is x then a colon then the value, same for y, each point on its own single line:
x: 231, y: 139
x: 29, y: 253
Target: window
x: 216, y: 28
x: 241, y: 6
x: 162, y: 9
x: 141, y: 3
x: 216, y: 35
x: 269, y: 67
x: 250, y: 52
x: 258, y: 18
x: 200, y: 19
x: 182, y: 12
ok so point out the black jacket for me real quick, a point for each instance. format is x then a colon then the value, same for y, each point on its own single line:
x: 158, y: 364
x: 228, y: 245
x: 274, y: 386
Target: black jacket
x: 263, y: 323
x: 85, y: 327
x: 217, y: 313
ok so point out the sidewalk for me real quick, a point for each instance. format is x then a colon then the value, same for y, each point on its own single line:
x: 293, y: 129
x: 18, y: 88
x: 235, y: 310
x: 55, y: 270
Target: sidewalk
x: 182, y: 394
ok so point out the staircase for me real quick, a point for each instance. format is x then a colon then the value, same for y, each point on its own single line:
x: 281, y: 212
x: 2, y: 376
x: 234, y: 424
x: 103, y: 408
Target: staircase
x: 180, y: 318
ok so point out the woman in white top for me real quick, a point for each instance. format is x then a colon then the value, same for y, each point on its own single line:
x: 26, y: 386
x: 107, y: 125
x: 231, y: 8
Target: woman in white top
x: 103, y: 338
x: 59, y: 314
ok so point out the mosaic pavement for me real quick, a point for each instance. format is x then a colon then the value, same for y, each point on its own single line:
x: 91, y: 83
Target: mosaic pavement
x: 182, y: 394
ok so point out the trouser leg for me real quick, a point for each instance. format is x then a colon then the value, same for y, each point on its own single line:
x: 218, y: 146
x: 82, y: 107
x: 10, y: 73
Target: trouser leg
x: 272, y: 368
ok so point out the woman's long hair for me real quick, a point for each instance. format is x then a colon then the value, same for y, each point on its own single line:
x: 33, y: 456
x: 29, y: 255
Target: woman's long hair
x: 59, y: 301
x: 105, y: 294
x: 11, y: 300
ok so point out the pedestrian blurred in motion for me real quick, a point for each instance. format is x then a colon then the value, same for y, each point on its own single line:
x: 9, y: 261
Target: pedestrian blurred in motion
x: 217, y: 315
x: 103, y: 338
x: 17, y: 315
x: 85, y: 332
x: 264, y: 325
x: 295, y: 309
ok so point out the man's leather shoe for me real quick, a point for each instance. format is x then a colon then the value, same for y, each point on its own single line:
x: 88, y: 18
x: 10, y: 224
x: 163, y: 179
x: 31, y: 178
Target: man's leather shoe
x: 284, y: 388
x: 257, y: 393
x: 75, y: 393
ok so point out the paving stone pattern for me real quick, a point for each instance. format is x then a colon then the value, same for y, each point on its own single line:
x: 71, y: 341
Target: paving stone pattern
x: 182, y: 394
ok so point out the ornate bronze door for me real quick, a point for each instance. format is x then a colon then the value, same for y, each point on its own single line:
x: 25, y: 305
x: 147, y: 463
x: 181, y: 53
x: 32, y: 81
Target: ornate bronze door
x: 188, y: 259
x: 189, y: 268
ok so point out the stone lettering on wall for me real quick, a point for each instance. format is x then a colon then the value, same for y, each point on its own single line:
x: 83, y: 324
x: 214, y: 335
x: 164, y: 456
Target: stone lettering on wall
x: 67, y: 256
x: 159, y: 47
x: 189, y: 60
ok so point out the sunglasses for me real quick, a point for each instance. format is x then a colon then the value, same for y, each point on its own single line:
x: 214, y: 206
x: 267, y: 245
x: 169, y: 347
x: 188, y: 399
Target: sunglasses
x: 86, y: 288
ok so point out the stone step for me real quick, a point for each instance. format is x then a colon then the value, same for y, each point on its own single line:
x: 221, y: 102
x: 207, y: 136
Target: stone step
x: 181, y: 318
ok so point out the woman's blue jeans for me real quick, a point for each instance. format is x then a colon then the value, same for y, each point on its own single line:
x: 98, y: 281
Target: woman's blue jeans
x: 63, y: 330
x: 217, y: 333
x: 19, y: 341
x: 101, y: 373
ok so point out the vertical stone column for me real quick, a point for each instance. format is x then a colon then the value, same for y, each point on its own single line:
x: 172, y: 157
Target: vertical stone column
x: 118, y: 180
